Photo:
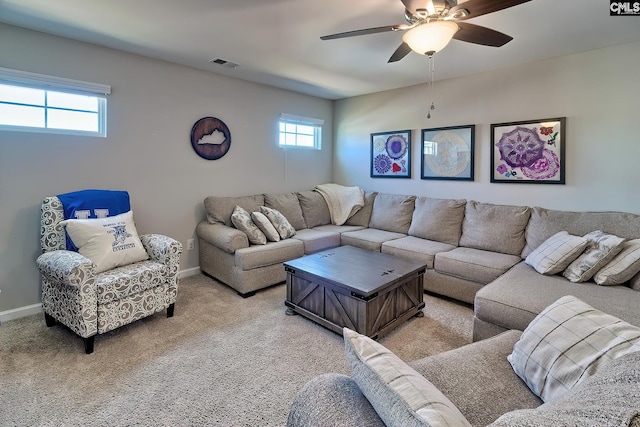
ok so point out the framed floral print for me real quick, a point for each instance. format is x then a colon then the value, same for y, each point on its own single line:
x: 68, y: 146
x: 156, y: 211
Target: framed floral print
x: 529, y: 152
x: 391, y: 154
x: 447, y: 153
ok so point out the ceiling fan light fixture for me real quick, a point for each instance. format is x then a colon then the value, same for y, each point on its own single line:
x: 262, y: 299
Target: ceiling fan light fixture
x: 430, y: 37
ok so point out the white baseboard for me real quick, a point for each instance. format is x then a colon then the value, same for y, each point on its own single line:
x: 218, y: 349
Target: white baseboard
x: 16, y: 313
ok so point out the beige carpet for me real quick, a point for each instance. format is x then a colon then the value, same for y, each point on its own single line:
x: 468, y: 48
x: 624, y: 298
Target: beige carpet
x: 221, y: 360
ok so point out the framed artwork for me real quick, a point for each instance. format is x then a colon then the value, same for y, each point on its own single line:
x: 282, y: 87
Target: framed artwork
x: 447, y: 153
x: 529, y: 152
x: 391, y: 154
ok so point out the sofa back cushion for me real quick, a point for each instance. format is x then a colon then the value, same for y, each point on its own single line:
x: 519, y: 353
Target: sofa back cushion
x: 497, y: 228
x: 219, y: 209
x: 314, y: 208
x: 289, y: 206
x: 544, y: 223
x: 392, y: 213
x: 438, y: 219
x: 363, y: 216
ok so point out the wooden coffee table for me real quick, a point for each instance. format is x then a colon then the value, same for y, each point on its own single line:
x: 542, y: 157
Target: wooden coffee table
x: 369, y: 292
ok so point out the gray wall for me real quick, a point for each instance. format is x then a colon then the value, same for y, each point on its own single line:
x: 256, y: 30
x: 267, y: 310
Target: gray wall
x: 597, y: 91
x: 151, y: 110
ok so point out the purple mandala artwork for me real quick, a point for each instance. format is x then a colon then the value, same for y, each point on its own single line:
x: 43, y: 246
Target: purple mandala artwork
x: 521, y: 147
x: 382, y: 163
x: 396, y: 146
x: 543, y: 168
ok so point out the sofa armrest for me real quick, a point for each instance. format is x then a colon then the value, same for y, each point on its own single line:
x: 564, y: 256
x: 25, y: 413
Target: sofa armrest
x: 67, y: 268
x: 226, y: 238
x: 162, y: 249
x: 332, y: 400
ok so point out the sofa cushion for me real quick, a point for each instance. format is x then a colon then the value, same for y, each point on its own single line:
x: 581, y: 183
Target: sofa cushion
x: 263, y: 223
x: 514, y: 299
x: 601, y: 248
x: 474, y: 264
x: 611, y: 397
x: 399, y: 394
x: 219, y: 209
x: 279, y: 222
x: 289, y: 206
x: 241, y: 220
x: 568, y: 342
x: 544, y: 223
x: 556, y: 253
x: 314, y: 208
x: 415, y: 248
x: 438, y: 219
x: 316, y: 240
x: 257, y: 256
x: 108, y: 242
x: 392, y: 213
x: 368, y: 238
x: 362, y: 217
x: 338, y: 228
x: 622, y: 267
x: 496, y: 228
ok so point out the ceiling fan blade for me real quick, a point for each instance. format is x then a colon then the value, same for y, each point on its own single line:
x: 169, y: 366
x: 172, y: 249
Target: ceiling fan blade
x: 480, y: 35
x: 402, y: 51
x: 363, y: 32
x: 483, y: 7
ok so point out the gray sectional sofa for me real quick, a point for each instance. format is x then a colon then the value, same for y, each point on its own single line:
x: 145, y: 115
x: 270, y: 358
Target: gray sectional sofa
x: 474, y: 251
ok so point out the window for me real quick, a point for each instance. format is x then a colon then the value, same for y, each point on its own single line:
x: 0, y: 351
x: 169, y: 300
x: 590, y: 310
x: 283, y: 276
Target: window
x: 38, y: 103
x: 300, y: 132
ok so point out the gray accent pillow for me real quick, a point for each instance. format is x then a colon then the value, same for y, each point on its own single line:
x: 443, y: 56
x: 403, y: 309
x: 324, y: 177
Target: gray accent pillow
x: 556, y: 253
x: 241, y: 219
x: 392, y: 212
x: 399, y: 394
x: 496, y: 228
x: 289, y: 206
x: 265, y: 226
x: 279, y: 222
x: 635, y: 282
x: 438, y: 219
x: 601, y: 248
x: 314, y: 208
x: 363, y: 216
x: 568, y: 342
x: 622, y: 267
x: 219, y: 209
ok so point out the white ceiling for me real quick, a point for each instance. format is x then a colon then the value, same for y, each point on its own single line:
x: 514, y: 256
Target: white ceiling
x: 277, y: 42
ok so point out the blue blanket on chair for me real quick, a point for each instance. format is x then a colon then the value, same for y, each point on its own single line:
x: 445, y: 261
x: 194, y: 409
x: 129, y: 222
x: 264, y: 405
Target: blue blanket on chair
x: 93, y: 204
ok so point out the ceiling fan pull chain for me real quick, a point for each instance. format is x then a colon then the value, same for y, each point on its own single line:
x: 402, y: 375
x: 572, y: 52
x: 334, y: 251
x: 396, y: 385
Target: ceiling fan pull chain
x: 430, y: 88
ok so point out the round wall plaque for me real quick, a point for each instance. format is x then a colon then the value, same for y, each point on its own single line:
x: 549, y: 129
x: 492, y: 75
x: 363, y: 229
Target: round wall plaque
x: 210, y: 138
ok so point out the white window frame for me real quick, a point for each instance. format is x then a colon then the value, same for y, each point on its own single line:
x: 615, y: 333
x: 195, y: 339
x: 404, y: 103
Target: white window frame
x: 303, y: 121
x: 47, y: 84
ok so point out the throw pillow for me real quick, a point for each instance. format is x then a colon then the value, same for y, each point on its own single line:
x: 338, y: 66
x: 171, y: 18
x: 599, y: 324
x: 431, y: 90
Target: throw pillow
x: 108, y: 242
x: 556, y: 253
x: 601, y: 248
x: 265, y: 226
x: 568, y: 342
x: 399, y: 394
x: 635, y: 282
x: 279, y: 222
x: 241, y: 220
x: 622, y: 267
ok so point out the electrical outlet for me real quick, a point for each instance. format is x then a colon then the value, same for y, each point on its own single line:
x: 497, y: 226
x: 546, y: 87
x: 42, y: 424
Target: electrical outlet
x: 190, y: 244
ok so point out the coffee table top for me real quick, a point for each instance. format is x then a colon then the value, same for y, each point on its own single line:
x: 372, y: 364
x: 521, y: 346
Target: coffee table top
x: 359, y: 270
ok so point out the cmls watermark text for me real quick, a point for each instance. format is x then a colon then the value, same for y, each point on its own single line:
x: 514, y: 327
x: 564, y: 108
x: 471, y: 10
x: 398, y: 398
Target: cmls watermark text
x: 621, y: 8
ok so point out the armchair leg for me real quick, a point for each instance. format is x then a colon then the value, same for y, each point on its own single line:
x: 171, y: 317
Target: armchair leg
x: 88, y: 344
x: 170, y: 310
x: 49, y: 320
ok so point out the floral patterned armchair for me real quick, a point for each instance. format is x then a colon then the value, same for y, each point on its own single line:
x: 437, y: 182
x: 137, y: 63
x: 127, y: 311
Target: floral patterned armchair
x: 91, y: 303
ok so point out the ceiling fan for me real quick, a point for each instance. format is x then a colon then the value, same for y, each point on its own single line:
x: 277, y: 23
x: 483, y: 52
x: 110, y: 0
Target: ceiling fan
x: 441, y: 19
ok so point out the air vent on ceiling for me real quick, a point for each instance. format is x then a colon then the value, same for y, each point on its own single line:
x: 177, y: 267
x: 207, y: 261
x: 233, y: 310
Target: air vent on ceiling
x: 224, y: 63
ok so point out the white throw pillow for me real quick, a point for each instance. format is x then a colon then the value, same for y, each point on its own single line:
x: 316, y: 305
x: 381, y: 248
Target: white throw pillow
x: 109, y: 242
x: 265, y: 226
x: 600, y: 250
x: 556, y: 253
x: 399, y: 394
x: 568, y: 342
x: 622, y: 267
x: 241, y: 220
x: 279, y: 222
